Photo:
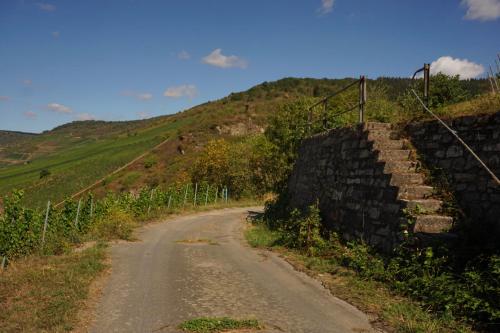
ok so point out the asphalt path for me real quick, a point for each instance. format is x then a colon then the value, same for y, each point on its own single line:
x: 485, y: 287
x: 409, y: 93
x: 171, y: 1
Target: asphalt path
x: 200, y: 266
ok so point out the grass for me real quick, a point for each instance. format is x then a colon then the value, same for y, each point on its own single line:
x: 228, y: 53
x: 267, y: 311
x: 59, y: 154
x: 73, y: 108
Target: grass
x: 393, y: 312
x: 44, y: 294
x: 212, y: 325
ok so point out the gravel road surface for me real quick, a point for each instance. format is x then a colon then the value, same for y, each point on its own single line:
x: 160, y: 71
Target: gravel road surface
x: 200, y: 266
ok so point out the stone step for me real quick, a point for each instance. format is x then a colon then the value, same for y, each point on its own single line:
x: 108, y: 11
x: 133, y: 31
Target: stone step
x: 415, y: 192
x: 399, y: 166
x: 377, y: 126
x: 374, y: 135
x: 439, y: 239
x: 395, y: 154
x: 424, y: 206
x: 410, y: 178
x: 388, y: 144
x: 432, y: 224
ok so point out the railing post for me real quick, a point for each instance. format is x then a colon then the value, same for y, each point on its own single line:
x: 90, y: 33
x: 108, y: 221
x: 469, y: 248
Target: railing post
x: 427, y: 76
x: 362, y: 98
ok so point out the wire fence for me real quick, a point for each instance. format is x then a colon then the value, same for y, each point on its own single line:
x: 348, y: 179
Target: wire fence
x: 24, y: 230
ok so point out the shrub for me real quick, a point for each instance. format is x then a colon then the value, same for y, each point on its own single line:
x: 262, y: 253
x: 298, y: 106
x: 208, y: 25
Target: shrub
x: 118, y: 224
x: 44, y: 173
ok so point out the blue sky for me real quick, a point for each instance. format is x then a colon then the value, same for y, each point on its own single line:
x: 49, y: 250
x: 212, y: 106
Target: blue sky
x: 121, y: 59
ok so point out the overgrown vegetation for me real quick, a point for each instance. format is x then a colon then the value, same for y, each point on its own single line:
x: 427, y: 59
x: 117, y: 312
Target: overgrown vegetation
x: 113, y: 217
x: 212, y: 325
x: 455, y: 291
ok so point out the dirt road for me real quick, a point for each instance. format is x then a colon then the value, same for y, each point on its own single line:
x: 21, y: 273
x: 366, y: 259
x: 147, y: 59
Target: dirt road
x: 200, y: 266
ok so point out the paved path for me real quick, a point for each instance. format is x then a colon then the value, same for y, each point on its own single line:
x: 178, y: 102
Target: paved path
x: 159, y: 281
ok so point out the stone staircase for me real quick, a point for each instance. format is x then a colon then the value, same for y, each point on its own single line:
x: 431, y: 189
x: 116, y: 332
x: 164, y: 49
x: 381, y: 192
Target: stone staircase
x: 395, y: 157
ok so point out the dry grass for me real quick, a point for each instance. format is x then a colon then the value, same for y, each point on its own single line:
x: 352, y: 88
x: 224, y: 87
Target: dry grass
x: 484, y: 104
x: 45, y: 294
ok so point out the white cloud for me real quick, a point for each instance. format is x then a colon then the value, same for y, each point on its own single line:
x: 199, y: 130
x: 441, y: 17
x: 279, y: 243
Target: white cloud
x: 145, y: 96
x: 189, y: 91
x: 326, y: 7
x: 30, y: 114
x: 4, y: 98
x: 55, y: 34
x: 143, y: 114
x: 482, y: 10
x: 46, y: 7
x: 217, y: 59
x: 454, y: 66
x: 85, y: 116
x: 59, y: 108
x: 183, y: 55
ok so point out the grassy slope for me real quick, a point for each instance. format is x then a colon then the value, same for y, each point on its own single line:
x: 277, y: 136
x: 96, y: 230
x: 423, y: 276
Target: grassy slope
x: 79, y: 153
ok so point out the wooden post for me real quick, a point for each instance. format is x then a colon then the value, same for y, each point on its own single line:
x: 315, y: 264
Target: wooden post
x: 206, y: 195
x: 78, y: 212
x: 45, y: 223
x: 169, y: 200
x: 227, y: 195
x: 4, y: 261
x: 216, y: 194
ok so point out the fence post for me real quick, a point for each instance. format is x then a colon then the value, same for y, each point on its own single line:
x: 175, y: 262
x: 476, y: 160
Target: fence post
x: 91, y: 207
x: 195, y: 193
x: 4, y: 261
x: 362, y: 98
x: 45, y: 223
x: 206, y: 194
x: 427, y: 78
x: 169, y: 200
x: 227, y: 194
x: 150, y: 199
x: 216, y: 194
x: 78, y: 212
x: 185, y: 196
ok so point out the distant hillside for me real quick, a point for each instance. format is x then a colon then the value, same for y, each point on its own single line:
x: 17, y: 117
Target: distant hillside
x: 75, y: 155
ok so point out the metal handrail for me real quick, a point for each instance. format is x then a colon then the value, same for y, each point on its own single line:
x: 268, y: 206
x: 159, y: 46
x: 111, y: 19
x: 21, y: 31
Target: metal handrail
x: 361, y: 103
x: 455, y: 134
x: 426, y: 70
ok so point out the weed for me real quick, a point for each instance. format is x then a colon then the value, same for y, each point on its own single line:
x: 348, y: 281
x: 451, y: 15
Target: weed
x: 117, y: 224
x: 212, y: 325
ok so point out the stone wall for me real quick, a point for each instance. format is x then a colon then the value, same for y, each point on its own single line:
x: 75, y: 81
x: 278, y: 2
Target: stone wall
x: 477, y: 194
x: 341, y: 169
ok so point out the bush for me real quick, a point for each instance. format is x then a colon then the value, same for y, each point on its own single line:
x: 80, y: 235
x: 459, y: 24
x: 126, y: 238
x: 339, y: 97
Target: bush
x: 44, y: 173
x: 118, y: 224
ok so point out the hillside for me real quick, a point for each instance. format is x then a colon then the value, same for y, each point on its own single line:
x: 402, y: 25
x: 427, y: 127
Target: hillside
x: 73, y: 156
